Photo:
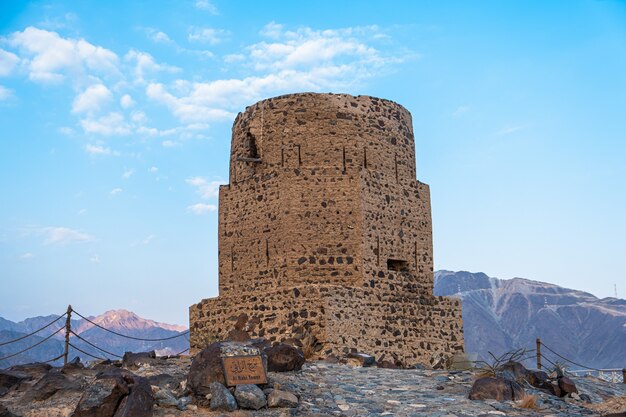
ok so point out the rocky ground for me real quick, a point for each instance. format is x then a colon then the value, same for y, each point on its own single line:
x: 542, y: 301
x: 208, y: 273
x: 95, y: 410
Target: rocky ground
x: 323, y: 389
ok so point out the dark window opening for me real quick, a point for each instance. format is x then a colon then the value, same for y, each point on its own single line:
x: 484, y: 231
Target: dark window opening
x: 250, y: 145
x: 397, y: 265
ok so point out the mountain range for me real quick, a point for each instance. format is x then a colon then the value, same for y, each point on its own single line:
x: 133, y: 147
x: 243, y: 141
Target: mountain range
x: 120, y: 321
x: 502, y: 315
x: 499, y: 316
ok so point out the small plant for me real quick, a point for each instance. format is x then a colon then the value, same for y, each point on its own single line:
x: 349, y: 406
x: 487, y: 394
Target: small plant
x: 494, y: 367
x: 528, y: 401
x: 558, y: 371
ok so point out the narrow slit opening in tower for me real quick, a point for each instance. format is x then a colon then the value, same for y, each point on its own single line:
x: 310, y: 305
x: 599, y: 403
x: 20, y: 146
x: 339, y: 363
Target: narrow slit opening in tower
x: 397, y: 265
x: 250, y: 145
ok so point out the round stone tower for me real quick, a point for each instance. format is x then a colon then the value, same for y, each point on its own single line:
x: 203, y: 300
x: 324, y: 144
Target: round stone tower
x: 325, y: 233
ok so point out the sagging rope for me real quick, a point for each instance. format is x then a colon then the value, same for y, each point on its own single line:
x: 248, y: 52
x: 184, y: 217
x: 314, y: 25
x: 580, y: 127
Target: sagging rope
x: 35, y: 332
x: 88, y: 354
x: 130, y: 337
x: 92, y: 345
x: 568, y: 360
x: 33, y: 346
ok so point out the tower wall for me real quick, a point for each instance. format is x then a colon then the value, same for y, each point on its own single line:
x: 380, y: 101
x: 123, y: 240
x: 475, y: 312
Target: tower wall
x: 325, y: 234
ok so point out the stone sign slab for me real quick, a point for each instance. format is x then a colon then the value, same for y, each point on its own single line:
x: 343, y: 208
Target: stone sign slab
x: 244, y: 370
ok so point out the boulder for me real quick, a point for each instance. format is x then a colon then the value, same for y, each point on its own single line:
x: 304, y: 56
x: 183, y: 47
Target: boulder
x: 35, y: 370
x: 516, y: 370
x: 360, y: 359
x: 101, y: 398
x: 139, y: 402
x: 207, y: 367
x: 221, y: 398
x: 538, y: 379
x: 134, y: 360
x: 278, y: 398
x: 4, y: 412
x: 51, y: 383
x: 165, y: 398
x: 250, y: 396
x: 284, y: 358
x: 10, y: 379
x: 567, y: 386
x: 500, y: 389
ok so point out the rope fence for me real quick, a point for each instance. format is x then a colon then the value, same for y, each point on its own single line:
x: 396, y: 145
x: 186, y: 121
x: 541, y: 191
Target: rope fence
x: 70, y: 334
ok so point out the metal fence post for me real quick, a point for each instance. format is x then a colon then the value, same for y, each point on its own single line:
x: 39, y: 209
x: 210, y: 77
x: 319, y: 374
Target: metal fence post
x: 68, y: 329
x: 538, y: 353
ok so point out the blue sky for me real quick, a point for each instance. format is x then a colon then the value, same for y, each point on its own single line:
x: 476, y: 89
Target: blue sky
x: 115, y: 123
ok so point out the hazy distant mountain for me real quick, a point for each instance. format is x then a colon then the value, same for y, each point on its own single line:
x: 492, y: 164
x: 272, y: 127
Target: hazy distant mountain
x: 121, y: 321
x: 501, y: 315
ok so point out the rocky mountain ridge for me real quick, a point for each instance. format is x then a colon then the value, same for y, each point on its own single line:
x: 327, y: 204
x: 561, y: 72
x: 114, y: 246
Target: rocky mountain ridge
x: 121, y: 321
x: 502, y: 315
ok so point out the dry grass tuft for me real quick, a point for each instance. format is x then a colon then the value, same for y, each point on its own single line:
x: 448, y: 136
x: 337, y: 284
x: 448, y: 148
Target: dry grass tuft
x: 528, y: 401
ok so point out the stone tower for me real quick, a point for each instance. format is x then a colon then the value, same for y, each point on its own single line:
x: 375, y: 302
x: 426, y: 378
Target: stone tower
x: 325, y: 234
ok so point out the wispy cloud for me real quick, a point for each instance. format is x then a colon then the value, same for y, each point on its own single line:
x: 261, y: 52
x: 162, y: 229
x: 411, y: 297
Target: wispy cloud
x: 207, y: 6
x: 112, y: 124
x: 201, y: 208
x: 157, y: 36
x: 63, y: 235
x: 460, y: 110
x: 99, y: 150
x: 26, y: 256
x: 507, y: 130
x: 5, y: 93
x: 128, y: 173
x: 211, y: 36
x: 206, y: 189
x: 115, y: 191
x: 92, y: 99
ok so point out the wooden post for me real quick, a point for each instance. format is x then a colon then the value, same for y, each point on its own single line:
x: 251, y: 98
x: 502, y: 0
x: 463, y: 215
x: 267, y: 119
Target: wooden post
x: 68, y: 328
x: 538, y: 353
x: 624, y: 375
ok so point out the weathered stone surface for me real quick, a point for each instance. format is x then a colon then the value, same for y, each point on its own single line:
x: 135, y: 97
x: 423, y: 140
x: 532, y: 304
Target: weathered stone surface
x: 496, y: 389
x: 518, y: 372
x: 362, y: 359
x: 250, y: 396
x: 140, y: 400
x: 35, y: 370
x: 325, y: 234
x: 4, y: 412
x: 284, y: 358
x: 134, y: 360
x: 101, y: 398
x: 51, y: 383
x: 10, y: 379
x: 538, y: 379
x: 221, y: 398
x: 567, y: 386
x: 278, y: 398
x: 207, y: 367
x: 165, y: 398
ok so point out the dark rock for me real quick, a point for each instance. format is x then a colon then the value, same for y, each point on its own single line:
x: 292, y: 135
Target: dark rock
x: 278, y: 398
x: 101, y: 398
x: 237, y: 335
x: 284, y: 358
x: 586, y: 398
x: 567, y: 386
x: 553, y: 388
x: 363, y: 359
x: 516, y: 370
x: 221, y: 398
x: 496, y: 389
x: 139, y: 402
x: 35, y: 370
x: 51, y: 383
x: 72, y: 367
x: 165, y: 381
x: 165, y: 398
x: 4, y: 412
x: 538, y: 379
x: 206, y: 366
x: 9, y: 379
x: 136, y: 360
x: 331, y: 359
x: 250, y: 396
x: 389, y: 365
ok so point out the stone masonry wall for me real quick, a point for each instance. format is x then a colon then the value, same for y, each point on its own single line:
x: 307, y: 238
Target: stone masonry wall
x: 325, y: 234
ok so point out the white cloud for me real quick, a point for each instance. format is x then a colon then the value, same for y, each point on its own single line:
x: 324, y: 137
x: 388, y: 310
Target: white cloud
x: 82, y: 211
x: 272, y: 30
x: 5, y: 93
x: 148, y: 239
x: 66, y: 130
x: 208, y: 35
x: 145, y: 65
x: 51, y: 58
x: 230, y: 58
x: 95, y: 259
x: 8, y: 61
x: 206, y: 189
x: 108, y: 125
x: 128, y: 173
x: 92, y: 99
x: 63, y: 235
x: 127, y: 101
x: 115, y: 191
x: 27, y: 255
x: 99, y: 150
x: 201, y: 208
x: 207, y: 6
x: 158, y: 36
x: 154, y: 169
x: 170, y: 144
